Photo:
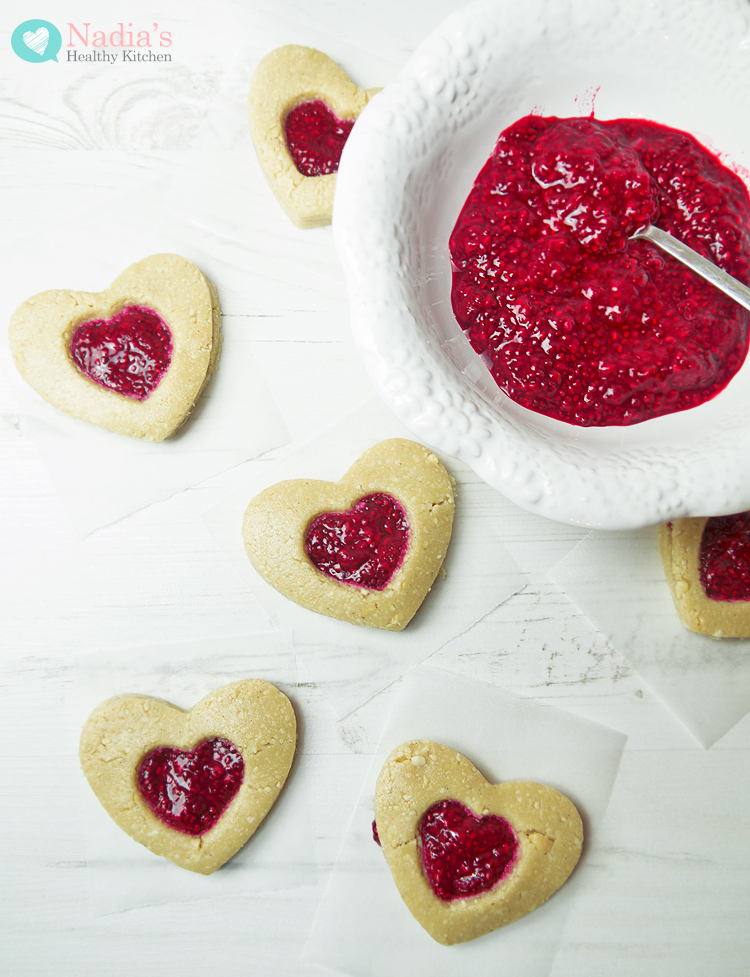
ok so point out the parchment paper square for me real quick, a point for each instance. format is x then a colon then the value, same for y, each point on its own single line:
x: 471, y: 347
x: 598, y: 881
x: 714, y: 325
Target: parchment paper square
x: 617, y: 580
x: 363, y: 928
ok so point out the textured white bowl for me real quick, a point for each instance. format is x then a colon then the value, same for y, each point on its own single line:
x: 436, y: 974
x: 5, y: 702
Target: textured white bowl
x: 409, y: 165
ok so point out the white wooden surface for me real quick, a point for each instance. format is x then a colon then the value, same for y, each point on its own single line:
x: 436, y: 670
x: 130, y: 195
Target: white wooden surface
x: 670, y: 894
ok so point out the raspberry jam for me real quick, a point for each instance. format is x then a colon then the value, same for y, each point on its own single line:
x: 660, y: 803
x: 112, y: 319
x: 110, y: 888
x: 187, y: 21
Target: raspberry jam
x: 129, y: 353
x: 462, y: 853
x: 315, y: 138
x: 725, y: 557
x: 188, y: 790
x: 364, y: 546
x: 575, y: 320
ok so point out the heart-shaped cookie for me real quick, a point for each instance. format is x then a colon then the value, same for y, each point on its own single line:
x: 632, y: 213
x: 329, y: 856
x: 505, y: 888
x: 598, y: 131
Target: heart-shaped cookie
x: 191, y: 786
x: 468, y: 856
x: 301, y: 108
x: 366, y: 549
x: 707, y: 565
x: 132, y: 359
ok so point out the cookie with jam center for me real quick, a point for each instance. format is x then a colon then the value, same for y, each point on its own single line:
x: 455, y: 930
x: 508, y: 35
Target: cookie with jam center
x: 301, y: 108
x: 191, y: 785
x: 468, y: 856
x: 707, y: 565
x: 365, y: 549
x: 133, y: 359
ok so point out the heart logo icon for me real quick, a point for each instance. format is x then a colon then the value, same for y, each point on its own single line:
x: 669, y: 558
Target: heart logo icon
x: 191, y: 786
x: 37, y: 40
x: 705, y: 563
x: 468, y: 856
x: 132, y: 359
x: 302, y: 107
x: 365, y: 549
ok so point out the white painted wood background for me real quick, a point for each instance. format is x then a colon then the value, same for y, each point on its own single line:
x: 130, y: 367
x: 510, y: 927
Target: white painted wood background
x: 670, y: 894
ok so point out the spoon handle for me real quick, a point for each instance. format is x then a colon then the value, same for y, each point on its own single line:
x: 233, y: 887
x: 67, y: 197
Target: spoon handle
x: 700, y: 265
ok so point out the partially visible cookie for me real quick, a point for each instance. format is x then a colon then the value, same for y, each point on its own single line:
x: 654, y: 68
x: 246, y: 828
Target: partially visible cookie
x: 132, y: 359
x: 301, y: 107
x: 707, y: 565
x: 191, y: 786
x: 365, y: 549
x: 468, y: 856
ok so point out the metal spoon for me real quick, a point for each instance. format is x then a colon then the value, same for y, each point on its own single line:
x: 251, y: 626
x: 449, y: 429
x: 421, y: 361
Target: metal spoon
x: 700, y: 265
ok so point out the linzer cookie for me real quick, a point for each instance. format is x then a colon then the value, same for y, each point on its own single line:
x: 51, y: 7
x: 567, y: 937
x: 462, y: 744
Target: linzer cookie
x: 132, y: 359
x: 707, y: 565
x: 191, y: 786
x: 365, y: 549
x: 302, y: 107
x: 468, y: 856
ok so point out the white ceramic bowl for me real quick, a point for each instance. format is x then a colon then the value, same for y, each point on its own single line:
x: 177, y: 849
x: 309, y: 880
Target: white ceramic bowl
x: 409, y: 165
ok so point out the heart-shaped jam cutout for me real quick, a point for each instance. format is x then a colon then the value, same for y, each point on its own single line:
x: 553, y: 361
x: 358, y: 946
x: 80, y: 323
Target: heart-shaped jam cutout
x: 315, y: 138
x: 725, y: 557
x: 129, y: 353
x: 364, y: 546
x: 188, y: 790
x: 462, y: 853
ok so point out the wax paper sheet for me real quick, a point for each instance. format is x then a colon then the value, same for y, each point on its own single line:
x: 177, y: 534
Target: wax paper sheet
x: 617, y: 580
x: 124, y: 875
x: 102, y: 476
x: 353, y: 663
x: 363, y: 928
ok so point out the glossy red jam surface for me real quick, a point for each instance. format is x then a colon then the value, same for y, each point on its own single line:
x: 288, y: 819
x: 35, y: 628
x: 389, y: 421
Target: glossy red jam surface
x: 375, y: 835
x: 315, y: 138
x: 188, y: 790
x: 462, y: 853
x: 576, y: 321
x: 129, y: 353
x: 725, y: 557
x: 364, y: 546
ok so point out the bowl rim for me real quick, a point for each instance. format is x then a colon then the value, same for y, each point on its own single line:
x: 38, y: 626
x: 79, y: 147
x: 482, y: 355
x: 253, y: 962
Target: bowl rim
x: 689, y: 463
